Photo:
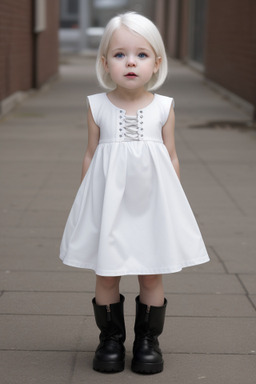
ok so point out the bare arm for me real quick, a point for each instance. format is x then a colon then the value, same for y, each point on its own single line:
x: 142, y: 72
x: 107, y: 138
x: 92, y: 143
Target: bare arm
x: 169, y: 141
x: 93, y: 141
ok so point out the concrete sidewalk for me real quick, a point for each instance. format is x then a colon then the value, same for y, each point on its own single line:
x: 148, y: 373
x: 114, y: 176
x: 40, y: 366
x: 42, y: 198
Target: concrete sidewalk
x: 47, y: 327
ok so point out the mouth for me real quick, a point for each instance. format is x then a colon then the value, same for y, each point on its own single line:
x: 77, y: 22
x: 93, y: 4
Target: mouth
x: 131, y: 74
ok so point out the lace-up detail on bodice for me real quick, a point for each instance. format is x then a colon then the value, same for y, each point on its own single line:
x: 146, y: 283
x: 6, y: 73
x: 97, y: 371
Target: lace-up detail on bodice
x: 131, y: 130
x: 130, y: 127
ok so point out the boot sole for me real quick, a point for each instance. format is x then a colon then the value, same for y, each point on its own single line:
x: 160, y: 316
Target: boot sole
x: 147, y: 368
x: 108, y: 367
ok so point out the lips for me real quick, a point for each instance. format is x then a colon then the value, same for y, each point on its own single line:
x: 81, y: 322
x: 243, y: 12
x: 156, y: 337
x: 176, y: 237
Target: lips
x: 131, y: 74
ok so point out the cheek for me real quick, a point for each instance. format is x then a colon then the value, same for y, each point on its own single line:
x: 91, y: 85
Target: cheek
x: 150, y: 69
x: 115, y: 69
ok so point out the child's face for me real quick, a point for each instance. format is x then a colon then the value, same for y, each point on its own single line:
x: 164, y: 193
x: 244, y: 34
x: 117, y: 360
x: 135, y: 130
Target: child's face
x: 130, y: 61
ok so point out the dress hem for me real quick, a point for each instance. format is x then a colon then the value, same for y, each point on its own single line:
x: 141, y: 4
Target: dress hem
x: 136, y: 273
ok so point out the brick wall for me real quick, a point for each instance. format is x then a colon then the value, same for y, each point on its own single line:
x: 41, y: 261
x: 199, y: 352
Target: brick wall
x: 24, y: 62
x: 230, y: 57
x: 15, y: 46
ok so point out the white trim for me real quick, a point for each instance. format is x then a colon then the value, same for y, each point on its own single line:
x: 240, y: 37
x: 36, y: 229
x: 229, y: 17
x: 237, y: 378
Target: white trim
x: 40, y: 16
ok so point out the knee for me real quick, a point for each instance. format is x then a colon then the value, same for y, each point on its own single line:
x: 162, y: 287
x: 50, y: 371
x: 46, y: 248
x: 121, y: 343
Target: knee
x: 149, y: 282
x: 108, y: 282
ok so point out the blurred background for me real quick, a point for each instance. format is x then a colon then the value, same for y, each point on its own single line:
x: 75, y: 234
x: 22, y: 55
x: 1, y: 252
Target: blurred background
x: 217, y: 38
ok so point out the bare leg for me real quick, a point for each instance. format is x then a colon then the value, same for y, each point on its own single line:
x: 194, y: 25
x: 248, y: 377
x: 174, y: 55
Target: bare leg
x: 151, y: 290
x: 107, y: 290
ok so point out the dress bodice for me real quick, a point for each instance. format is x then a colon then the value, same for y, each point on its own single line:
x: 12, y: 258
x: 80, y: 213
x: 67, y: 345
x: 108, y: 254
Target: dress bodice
x: 116, y: 126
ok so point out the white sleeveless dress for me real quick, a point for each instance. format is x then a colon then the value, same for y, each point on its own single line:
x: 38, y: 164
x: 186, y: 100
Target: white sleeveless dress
x: 130, y: 215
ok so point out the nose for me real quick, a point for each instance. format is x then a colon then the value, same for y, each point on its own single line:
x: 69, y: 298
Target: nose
x: 131, y: 62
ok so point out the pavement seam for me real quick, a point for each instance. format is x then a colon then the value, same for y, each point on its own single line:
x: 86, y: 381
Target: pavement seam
x: 129, y: 352
x: 247, y: 294
x: 127, y: 316
x: 220, y: 260
x: 73, y: 367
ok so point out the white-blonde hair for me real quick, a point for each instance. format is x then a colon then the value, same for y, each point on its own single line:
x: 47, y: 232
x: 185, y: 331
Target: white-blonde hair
x: 144, y: 27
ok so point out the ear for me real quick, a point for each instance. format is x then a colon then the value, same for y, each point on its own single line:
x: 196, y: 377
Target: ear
x: 105, y: 63
x: 157, y: 64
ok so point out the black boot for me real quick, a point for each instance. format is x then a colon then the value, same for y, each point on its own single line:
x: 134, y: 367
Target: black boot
x: 110, y: 353
x: 149, y: 322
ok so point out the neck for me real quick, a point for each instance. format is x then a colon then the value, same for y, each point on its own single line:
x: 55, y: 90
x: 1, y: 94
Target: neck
x: 130, y: 100
x: 129, y: 94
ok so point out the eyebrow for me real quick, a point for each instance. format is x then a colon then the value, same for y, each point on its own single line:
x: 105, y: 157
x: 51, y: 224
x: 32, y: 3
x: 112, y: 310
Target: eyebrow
x: 117, y: 49
x: 123, y: 49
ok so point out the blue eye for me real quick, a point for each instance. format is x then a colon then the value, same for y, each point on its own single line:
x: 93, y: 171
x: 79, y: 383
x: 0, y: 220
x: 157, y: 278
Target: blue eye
x: 119, y: 55
x: 142, y: 55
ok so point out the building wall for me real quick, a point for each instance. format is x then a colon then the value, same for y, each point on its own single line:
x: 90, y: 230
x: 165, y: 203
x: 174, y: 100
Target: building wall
x: 172, y: 20
x: 15, y: 46
x: 183, y: 28
x: 172, y: 33
x: 48, y: 45
x: 230, y: 57
x: 26, y: 62
x: 228, y: 45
